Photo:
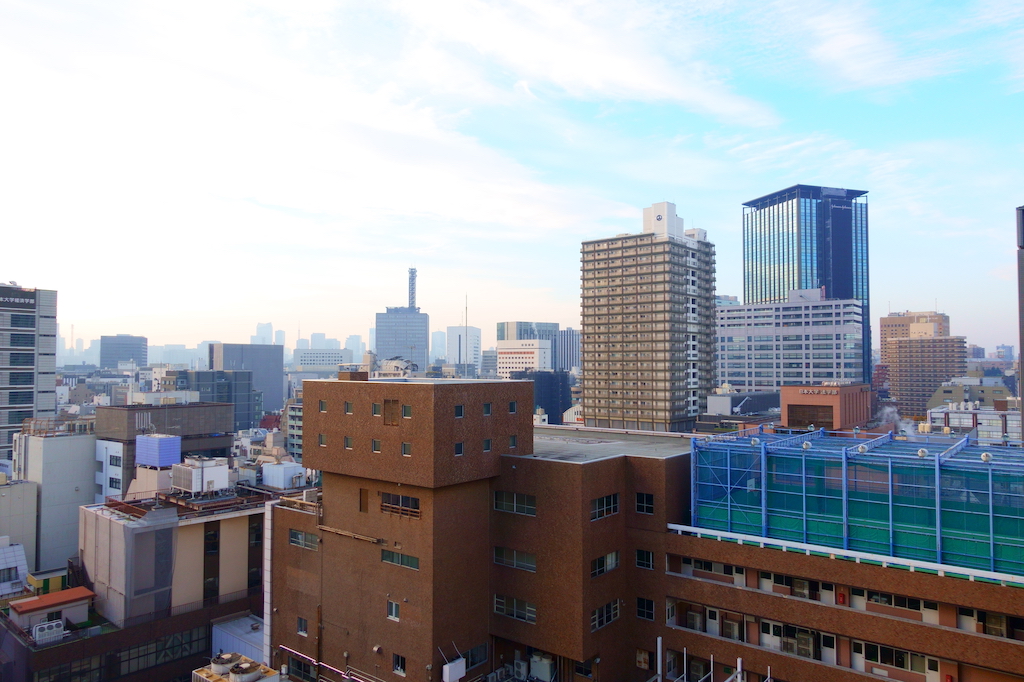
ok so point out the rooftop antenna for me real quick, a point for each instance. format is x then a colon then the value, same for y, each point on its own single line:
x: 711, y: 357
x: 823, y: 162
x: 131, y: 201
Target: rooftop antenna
x: 412, y: 288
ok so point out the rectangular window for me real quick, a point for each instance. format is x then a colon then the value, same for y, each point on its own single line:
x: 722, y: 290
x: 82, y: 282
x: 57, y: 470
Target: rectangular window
x: 323, y: 440
x: 603, y: 564
x: 377, y: 410
x: 604, y: 506
x: 375, y: 446
x: 459, y: 449
x: 398, y: 664
x: 393, y: 610
x: 644, y: 503
x: 398, y: 559
x: 460, y: 411
x: 323, y: 405
x: 300, y: 670
x: 302, y: 539
x: 8, y: 574
x: 645, y: 559
x: 603, y: 615
x: 515, y: 559
x: 115, y: 460
x: 348, y: 407
x: 487, y: 409
x: 406, y: 411
x: 23, y: 321
x: 487, y: 444
x: 512, y: 407
x: 302, y: 627
x: 520, y: 609
x: 348, y: 442
x: 407, y: 449
x: 516, y: 503
x: 475, y: 656
x: 644, y: 608
x: 402, y: 505
x: 512, y: 442
x: 115, y: 483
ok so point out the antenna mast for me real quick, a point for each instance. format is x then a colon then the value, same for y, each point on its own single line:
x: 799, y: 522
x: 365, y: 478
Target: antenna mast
x: 412, y: 288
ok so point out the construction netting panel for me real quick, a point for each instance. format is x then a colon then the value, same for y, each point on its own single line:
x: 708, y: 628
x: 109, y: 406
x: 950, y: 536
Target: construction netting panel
x: 887, y: 504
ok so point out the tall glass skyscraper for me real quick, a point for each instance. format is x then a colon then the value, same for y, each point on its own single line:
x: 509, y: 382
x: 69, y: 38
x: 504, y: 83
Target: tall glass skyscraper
x: 807, y: 237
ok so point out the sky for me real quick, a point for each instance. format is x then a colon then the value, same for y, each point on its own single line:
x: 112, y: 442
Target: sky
x: 185, y: 170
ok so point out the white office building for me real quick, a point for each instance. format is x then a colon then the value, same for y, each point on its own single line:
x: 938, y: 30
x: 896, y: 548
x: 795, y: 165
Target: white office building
x: 523, y: 356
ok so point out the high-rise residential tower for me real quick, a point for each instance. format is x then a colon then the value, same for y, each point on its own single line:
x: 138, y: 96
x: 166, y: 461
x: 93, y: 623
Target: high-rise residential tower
x: 807, y: 237
x: 404, y: 332
x: 648, y: 336
x: 28, y: 347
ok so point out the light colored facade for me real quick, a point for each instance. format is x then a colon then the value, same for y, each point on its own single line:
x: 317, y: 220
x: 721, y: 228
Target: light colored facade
x: 807, y: 340
x: 19, y: 507
x: 63, y: 463
x: 28, y: 359
x: 993, y: 425
x: 322, y: 357
x: 986, y: 391
x: 110, y: 480
x: 919, y: 365
x: 568, y: 354
x: 13, y: 569
x: 523, y: 356
x: 648, y: 333
x: 909, y: 325
x: 463, y: 346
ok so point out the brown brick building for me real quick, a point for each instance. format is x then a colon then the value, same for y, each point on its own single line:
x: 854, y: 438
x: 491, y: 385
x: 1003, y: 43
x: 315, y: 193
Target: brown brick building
x: 448, y: 527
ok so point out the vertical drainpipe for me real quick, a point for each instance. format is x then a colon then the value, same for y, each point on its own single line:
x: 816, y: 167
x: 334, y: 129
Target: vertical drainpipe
x: 892, y: 534
x: 694, y: 453
x: 991, y: 524
x: 728, y: 486
x: 803, y: 491
x: 764, y: 489
x: 938, y: 510
x: 846, y: 499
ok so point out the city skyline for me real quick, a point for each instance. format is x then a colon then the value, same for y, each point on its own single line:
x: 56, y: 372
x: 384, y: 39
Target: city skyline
x: 263, y: 114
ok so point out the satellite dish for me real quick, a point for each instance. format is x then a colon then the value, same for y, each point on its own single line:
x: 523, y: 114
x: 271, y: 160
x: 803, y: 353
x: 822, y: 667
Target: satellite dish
x: 922, y: 453
x: 862, y: 449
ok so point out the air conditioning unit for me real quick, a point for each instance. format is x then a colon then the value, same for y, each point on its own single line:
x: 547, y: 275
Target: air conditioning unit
x: 694, y: 621
x: 492, y: 677
x: 730, y: 629
x: 509, y: 671
x: 522, y: 670
x: 698, y: 669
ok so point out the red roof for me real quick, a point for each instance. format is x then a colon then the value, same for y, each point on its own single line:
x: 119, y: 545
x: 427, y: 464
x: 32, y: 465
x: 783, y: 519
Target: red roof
x: 47, y: 602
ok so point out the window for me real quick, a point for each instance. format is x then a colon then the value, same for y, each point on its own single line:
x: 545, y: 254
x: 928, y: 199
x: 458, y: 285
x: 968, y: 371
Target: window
x: 459, y: 449
x: 23, y: 321
x: 8, y: 574
x: 115, y: 460
x: 644, y: 608
x: 512, y: 442
x: 375, y: 445
x: 897, y: 658
x: 323, y: 440
x: 407, y: 449
x: 460, y: 411
x: 402, y: 505
x: 301, y: 669
x: 393, y: 610
x: 515, y: 559
x: 348, y: 442
x: 512, y: 407
x: 409, y: 561
x: 487, y: 444
x: 585, y: 668
x: 603, y: 564
x: 520, y: 609
x: 171, y: 647
x: 894, y: 600
x: 517, y: 503
x: 398, y: 664
x: 487, y: 409
x: 115, y: 483
x: 406, y: 411
x: 303, y: 627
x: 302, y: 539
x: 645, y: 559
x: 348, y: 407
x: 604, y: 506
x: 323, y: 405
x: 644, y: 503
x: 603, y: 615
x: 377, y: 410
x: 475, y: 656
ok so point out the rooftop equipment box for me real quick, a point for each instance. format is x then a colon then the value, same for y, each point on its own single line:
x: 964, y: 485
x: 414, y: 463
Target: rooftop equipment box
x: 158, y: 450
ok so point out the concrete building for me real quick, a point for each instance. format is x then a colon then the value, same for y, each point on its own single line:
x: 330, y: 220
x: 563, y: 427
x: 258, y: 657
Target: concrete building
x: 986, y: 391
x: 438, y: 346
x: 60, y: 457
x: 13, y: 571
x: 264, y: 334
x: 808, y: 237
x: 28, y: 360
x: 523, y: 356
x: 828, y: 406
x: 403, y: 332
x: 266, y: 362
x: 920, y: 365
x: 567, y: 351
x: 808, y: 339
x: 648, y: 325
x: 524, y: 331
x: 551, y: 393
x: 907, y: 325
x: 489, y: 364
x: 990, y: 424
x: 322, y: 357
x: 463, y: 346
x: 234, y: 387
x: 19, y: 513
x: 123, y: 348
